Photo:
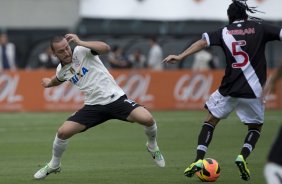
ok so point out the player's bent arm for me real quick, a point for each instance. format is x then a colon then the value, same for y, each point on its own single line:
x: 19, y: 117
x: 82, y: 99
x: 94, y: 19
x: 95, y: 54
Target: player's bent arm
x: 195, y: 47
x: 97, y: 46
x: 50, y: 82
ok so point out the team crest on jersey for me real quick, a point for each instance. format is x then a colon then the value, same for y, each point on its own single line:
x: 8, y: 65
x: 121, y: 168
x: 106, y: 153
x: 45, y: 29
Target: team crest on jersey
x: 76, y: 61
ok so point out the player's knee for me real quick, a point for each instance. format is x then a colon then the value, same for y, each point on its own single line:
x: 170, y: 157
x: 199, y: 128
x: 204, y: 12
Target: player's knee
x: 62, y: 134
x: 147, y: 120
x: 150, y: 120
x: 255, y: 127
x: 211, y: 119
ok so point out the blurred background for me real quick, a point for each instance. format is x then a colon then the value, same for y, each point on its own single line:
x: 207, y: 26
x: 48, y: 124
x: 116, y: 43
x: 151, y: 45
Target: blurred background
x: 127, y: 23
x: 133, y: 29
x: 140, y: 33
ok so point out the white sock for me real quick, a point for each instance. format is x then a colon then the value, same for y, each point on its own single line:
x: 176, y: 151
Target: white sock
x: 151, y: 133
x: 59, y: 146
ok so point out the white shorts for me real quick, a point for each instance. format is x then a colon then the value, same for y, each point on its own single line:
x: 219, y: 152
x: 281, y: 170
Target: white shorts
x: 249, y: 110
x: 273, y: 173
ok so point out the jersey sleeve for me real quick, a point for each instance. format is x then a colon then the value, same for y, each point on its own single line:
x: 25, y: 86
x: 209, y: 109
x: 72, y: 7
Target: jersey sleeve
x: 94, y: 52
x: 213, y: 38
x: 59, y: 74
x: 81, y: 50
x: 85, y: 51
x: 272, y: 32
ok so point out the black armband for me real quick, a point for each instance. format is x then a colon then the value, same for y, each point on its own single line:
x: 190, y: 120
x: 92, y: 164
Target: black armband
x: 94, y: 52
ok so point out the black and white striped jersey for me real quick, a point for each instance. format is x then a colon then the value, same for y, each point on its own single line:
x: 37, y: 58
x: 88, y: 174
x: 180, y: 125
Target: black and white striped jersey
x: 243, y: 43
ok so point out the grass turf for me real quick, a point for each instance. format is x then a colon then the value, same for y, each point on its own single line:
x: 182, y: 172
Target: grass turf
x: 114, y: 152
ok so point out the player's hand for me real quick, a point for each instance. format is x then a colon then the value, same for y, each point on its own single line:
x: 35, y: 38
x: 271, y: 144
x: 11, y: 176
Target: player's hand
x: 45, y: 82
x: 172, y: 59
x: 73, y: 38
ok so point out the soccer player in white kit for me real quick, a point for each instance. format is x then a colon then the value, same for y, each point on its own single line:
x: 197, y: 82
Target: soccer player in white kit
x: 104, y: 99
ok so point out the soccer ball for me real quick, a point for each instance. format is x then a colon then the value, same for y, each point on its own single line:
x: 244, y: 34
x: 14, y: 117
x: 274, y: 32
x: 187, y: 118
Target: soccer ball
x: 210, y: 171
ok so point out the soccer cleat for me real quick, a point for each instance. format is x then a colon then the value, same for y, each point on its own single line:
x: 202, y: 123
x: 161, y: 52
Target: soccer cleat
x: 45, y: 171
x: 242, y: 165
x: 157, y: 155
x: 193, y: 168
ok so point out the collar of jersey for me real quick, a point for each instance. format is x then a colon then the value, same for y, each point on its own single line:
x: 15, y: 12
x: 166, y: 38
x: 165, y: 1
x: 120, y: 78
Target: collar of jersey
x: 66, y: 66
x: 237, y: 21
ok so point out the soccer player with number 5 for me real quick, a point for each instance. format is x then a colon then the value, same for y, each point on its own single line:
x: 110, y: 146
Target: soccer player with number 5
x: 243, y: 41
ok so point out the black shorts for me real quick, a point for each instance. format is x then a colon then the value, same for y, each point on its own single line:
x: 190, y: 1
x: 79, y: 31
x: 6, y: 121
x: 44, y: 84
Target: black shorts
x: 92, y: 115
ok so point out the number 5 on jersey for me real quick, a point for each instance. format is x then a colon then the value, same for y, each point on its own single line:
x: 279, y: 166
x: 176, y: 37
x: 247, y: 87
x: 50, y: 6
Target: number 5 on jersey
x: 237, y: 51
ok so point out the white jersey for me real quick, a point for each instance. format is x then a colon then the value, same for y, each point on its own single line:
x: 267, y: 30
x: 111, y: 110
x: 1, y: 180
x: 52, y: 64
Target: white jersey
x: 89, y: 74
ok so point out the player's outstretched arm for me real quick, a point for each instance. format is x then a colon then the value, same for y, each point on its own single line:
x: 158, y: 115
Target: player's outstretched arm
x: 98, y: 46
x: 276, y: 76
x: 195, y: 47
x: 270, y: 84
x: 50, y: 82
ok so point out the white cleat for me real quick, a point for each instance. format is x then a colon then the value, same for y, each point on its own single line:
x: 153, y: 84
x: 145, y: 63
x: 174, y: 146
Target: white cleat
x: 45, y: 171
x: 157, y: 155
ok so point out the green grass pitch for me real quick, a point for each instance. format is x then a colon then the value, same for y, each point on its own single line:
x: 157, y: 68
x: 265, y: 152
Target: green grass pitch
x: 115, y: 153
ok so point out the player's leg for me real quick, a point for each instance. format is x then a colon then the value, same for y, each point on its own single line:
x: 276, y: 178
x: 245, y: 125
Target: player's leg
x: 128, y: 110
x: 144, y: 117
x: 273, y: 167
x: 249, y: 145
x: 219, y: 107
x: 205, y: 136
x: 250, y: 112
x: 67, y: 130
x: 204, y: 140
x: 85, y: 118
x: 250, y: 140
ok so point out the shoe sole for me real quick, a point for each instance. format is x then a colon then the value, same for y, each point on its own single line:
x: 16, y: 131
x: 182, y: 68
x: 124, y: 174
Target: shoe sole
x: 244, y: 174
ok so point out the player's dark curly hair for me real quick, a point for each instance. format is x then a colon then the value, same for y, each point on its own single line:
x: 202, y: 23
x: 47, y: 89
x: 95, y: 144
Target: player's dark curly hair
x: 238, y: 9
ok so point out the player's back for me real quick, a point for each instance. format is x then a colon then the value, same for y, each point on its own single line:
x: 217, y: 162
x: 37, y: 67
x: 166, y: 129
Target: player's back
x: 251, y: 36
x: 244, y: 45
